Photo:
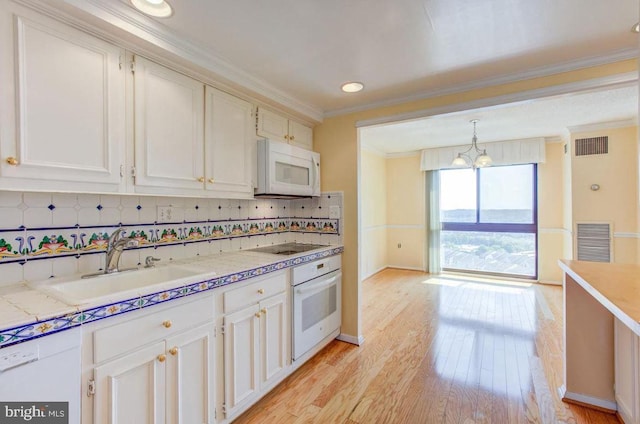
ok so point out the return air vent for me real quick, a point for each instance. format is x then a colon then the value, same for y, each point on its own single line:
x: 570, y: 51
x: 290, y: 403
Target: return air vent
x: 592, y: 146
x: 594, y: 242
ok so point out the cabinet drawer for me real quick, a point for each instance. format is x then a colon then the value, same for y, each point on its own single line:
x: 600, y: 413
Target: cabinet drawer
x: 254, y: 292
x: 117, y: 339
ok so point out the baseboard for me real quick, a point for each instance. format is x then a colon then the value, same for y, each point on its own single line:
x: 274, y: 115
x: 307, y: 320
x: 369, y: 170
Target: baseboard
x: 587, y: 401
x: 375, y: 272
x: 550, y: 282
x: 408, y: 268
x: 351, y: 339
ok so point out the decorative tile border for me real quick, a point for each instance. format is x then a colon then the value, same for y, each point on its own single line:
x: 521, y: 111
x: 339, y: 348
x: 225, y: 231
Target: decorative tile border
x: 24, y: 244
x: 37, y: 329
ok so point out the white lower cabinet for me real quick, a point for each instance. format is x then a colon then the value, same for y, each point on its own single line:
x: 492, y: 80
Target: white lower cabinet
x: 153, y: 368
x: 130, y: 389
x: 627, y: 376
x: 255, y: 347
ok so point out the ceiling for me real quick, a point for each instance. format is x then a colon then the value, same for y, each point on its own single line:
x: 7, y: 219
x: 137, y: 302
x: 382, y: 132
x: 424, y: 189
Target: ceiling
x: 551, y: 117
x: 303, y: 50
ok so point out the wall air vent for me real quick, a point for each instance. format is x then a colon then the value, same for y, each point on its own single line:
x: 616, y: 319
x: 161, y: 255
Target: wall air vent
x: 592, y: 146
x: 593, y: 242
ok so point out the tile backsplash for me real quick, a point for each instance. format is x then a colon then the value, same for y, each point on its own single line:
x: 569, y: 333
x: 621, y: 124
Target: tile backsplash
x: 45, y: 235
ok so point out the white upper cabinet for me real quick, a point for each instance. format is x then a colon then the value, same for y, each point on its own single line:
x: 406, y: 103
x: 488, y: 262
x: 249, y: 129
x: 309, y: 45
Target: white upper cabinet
x: 300, y: 135
x: 276, y: 127
x: 169, y: 117
x: 228, y: 140
x: 62, y: 106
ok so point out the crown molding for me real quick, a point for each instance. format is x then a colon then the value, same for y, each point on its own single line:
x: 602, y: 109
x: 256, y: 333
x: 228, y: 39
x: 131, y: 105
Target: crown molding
x: 617, y: 56
x: 119, y: 15
x: 604, y: 125
x: 611, y: 81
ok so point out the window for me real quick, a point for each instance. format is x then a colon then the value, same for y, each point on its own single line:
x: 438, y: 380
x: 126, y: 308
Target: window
x: 489, y: 221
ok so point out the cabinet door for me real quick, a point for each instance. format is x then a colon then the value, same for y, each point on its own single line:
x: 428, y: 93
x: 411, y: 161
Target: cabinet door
x: 132, y: 389
x: 272, y: 126
x: 241, y: 350
x: 228, y: 134
x: 626, y: 372
x: 300, y: 135
x: 62, y: 125
x: 169, y: 133
x: 274, y: 336
x: 190, y: 376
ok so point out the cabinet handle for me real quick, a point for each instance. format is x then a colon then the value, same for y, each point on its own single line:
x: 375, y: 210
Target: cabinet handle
x: 292, y: 137
x: 260, y: 291
x: 162, y: 357
x: 286, y: 137
x: 211, y: 180
x: 264, y: 311
x: 257, y: 314
x: 174, y: 350
x: 201, y: 179
x: 167, y: 324
x: 12, y: 161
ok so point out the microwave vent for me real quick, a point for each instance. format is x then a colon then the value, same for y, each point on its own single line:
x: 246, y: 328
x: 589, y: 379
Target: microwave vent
x: 592, y: 146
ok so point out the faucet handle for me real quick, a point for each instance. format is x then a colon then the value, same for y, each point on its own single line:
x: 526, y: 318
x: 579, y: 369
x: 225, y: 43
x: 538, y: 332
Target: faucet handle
x: 149, y: 261
x: 115, y: 236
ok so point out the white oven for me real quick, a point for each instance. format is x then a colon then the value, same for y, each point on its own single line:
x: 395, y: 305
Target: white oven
x: 316, y: 303
x: 287, y: 171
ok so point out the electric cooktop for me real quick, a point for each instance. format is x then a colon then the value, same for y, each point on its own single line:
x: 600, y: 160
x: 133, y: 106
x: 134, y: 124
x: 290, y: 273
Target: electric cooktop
x: 287, y: 248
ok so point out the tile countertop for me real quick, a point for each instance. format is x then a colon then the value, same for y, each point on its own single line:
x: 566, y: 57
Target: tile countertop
x: 615, y: 286
x: 27, y: 313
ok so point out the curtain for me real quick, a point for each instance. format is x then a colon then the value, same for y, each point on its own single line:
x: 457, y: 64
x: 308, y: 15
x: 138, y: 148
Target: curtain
x: 433, y: 221
x: 514, y: 152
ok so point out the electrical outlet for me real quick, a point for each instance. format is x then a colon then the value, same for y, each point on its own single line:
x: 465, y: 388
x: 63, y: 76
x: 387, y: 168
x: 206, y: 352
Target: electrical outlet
x: 399, y: 245
x: 165, y: 214
x: 334, y: 212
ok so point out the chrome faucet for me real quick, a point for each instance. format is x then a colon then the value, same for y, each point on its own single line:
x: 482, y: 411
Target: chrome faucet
x: 116, y: 246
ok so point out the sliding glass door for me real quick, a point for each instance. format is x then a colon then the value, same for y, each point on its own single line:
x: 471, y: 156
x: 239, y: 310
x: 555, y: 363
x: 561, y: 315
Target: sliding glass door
x: 489, y: 220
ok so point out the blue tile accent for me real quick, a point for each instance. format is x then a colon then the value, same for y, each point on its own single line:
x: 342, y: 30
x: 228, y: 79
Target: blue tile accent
x: 51, y: 207
x: 138, y: 207
x: 99, y: 207
x: 37, y: 329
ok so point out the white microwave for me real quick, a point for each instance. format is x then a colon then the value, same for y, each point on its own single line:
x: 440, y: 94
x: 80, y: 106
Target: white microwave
x: 286, y: 171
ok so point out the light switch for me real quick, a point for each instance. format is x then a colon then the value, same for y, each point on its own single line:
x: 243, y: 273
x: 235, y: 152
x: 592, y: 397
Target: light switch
x: 165, y: 214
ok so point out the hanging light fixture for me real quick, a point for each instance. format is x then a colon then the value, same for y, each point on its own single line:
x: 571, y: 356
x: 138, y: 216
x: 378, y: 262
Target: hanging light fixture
x: 482, y: 159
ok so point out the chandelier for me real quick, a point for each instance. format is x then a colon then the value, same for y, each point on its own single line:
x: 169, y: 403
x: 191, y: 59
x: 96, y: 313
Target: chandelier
x: 482, y: 159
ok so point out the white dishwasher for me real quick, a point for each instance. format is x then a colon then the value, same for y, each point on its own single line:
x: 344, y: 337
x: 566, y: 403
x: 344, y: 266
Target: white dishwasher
x: 46, y: 369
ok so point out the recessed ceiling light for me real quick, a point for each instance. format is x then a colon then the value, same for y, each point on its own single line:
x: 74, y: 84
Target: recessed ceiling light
x: 636, y: 27
x: 352, y: 87
x: 155, y: 8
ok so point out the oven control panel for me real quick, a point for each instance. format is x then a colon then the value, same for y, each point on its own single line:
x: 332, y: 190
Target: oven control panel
x: 315, y: 269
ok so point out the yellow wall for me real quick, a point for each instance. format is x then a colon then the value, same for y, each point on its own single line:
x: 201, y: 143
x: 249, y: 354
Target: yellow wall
x: 337, y: 141
x: 551, y: 231
x: 405, y: 213
x: 617, y: 199
x: 373, y: 213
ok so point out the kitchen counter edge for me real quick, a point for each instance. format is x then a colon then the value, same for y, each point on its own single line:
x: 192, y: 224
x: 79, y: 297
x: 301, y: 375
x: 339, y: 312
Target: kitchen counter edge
x: 75, y: 316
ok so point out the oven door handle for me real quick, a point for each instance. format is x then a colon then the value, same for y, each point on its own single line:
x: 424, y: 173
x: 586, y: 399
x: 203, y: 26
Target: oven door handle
x: 318, y: 286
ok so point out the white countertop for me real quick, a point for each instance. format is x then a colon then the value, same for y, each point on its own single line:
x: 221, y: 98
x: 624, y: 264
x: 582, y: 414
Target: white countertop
x: 24, y: 305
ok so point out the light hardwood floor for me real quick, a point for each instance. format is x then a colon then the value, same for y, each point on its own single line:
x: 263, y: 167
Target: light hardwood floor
x: 437, y: 350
